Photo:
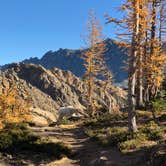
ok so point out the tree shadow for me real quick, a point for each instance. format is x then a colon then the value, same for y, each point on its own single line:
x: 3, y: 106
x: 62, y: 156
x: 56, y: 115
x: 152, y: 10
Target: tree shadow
x: 36, y: 153
x: 93, y: 154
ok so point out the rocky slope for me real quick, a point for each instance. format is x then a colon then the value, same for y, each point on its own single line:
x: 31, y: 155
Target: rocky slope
x: 71, y: 60
x: 52, y: 89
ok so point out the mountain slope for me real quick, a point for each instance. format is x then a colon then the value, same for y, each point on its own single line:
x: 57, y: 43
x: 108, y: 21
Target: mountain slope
x: 71, y: 60
x: 52, y: 89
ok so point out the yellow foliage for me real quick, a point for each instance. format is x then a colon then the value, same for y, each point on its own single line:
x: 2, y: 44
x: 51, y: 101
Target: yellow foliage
x: 12, y: 108
x: 93, y: 57
x: 155, y: 66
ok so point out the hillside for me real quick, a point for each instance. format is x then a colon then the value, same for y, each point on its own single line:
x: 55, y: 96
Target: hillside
x: 67, y: 59
x: 52, y: 89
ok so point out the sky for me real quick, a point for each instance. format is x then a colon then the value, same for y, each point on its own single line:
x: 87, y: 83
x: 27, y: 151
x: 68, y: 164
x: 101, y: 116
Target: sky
x: 30, y: 28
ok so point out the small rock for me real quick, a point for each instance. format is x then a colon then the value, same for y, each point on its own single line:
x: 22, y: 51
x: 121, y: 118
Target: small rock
x: 9, y: 156
x: 104, y: 158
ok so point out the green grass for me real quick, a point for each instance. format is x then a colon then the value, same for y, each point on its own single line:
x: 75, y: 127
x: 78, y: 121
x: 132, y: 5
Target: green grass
x: 106, y: 132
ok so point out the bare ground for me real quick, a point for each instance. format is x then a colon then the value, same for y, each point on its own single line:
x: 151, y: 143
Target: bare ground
x: 85, y: 151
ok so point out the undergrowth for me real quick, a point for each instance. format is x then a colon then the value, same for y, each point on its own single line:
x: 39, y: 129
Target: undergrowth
x: 17, y: 137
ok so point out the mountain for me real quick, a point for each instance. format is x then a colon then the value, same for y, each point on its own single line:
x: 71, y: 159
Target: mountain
x: 52, y: 89
x: 71, y: 60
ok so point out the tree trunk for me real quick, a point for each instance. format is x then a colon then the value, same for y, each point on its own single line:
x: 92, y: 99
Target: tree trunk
x: 131, y: 91
x: 139, y: 88
x: 132, y: 71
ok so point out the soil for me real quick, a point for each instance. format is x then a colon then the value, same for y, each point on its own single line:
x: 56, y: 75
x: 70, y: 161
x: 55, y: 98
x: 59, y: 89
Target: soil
x: 85, y: 152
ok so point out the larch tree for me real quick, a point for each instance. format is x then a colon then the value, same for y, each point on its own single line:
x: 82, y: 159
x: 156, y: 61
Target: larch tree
x: 12, y: 108
x: 93, y: 58
x: 135, y: 18
x: 156, y: 58
x: 146, y: 59
x: 130, y: 23
x: 162, y: 35
x: 132, y: 33
x: 142, y: 44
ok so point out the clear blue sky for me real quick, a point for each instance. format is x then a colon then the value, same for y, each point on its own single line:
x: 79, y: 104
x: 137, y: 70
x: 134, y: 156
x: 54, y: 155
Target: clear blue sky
x: 29, y: 28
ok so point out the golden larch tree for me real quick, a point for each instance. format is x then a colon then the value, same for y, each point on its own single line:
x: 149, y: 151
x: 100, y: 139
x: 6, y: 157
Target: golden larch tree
x: 12, y: 108
x: 93, y: 58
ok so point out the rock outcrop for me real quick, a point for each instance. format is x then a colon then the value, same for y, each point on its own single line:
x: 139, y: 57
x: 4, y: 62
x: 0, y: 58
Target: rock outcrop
x: 52, y: 89
x: 68, y: 59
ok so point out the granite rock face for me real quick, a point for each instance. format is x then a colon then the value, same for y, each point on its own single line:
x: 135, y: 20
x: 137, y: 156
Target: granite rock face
x: 68, y: 59
x: 52, y: 89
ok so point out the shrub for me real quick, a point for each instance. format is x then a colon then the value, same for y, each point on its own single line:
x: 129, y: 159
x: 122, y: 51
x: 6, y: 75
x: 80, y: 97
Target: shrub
x: 129, y: 145
x: 117, y: 135
x: 162, y: 118
x: 153, y: 131
x: 15, y: 134
x: 17, y: 137
x: 5, y: 141
x: 110, y: 136
x: 159, y: 104
x: 112, y: 117
x: 10, y: 126
x: 143, y: 114
x: 105, y: 120
x: 98, y: 135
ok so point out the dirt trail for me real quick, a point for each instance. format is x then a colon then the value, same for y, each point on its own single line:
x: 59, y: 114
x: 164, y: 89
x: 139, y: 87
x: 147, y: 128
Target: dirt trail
x: 86, y: 152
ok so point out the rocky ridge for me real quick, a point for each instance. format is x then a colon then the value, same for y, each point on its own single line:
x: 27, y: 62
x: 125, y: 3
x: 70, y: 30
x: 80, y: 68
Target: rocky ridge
x: 52, y: 89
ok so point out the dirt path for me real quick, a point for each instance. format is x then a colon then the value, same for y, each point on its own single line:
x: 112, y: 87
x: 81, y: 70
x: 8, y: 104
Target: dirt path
x: 86, y: 152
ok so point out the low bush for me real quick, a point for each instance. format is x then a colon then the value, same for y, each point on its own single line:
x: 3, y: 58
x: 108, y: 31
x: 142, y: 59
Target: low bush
x: 162, y: 118
x: 141, y: 114
x: 129, y: 145
x: 17, y: 137
x: 98, y: 135
x: 152, y: 131
x: 109, y: 136
x: 117, y: 135
x: 112, y: 117
x: 106, y: 120
x: 159, y: 104
x: 15, y: 134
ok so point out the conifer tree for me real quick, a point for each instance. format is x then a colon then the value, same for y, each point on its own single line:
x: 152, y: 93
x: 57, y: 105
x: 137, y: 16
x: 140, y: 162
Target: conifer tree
x: 156, y: 58
x: 146, y: 59
x: 142, y: 46
x: 12, y: 108
x: 93, y: 58
x: 132, y: 25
